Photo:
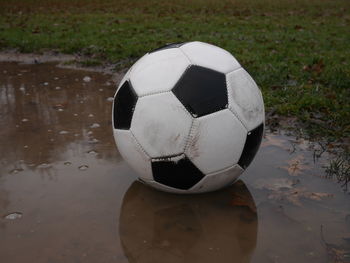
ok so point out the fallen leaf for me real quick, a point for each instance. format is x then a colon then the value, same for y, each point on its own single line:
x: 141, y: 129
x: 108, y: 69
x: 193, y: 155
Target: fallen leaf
x: 316, y: 67
x: 294, y: 195
x: 275, y: 184
x: 273, y: 140
x: 296, y: 166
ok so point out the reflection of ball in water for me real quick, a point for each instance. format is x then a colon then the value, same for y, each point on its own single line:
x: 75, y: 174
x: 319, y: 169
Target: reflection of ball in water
x: 214, y: 227
x: 188, y: 118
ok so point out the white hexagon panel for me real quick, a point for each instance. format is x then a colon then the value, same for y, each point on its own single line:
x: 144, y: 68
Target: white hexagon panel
x: 210, y: 56
x: 154, y: 74
x: 132, y: 152
x: 216, y: 141
x: 245, y: 99
x: 161, y: 124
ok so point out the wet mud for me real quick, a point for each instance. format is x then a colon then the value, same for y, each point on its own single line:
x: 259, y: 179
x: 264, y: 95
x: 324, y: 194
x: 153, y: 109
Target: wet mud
x: 66, y: 195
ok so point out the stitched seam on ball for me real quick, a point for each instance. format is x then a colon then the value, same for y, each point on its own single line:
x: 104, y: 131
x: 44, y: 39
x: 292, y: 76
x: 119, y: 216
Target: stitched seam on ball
x: 230, y: 71
x: 154, y: 93
x: 183, y: 106
x: 133, y: 116
x: 180, y: 103
x: 169, y: 157
x: 176, y: 190
x: 240, y: 67
x: 189, y: 136
x: 183, y: 74
x: 165, y: 91
x: 251, y: 80
x: 228, y: 86
x: 263, y: 122
x: 183, y: 52
x: 231, y: 108
x: 222, y: 170
x: 224, y: 50
x: 140, y: 146
x: 236, y: 115
x: 212, y: 115
x: 138, y: 60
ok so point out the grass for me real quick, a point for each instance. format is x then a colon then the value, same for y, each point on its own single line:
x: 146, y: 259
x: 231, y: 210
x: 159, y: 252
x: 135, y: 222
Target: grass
x: 339, y: 169
x: 296, y: 50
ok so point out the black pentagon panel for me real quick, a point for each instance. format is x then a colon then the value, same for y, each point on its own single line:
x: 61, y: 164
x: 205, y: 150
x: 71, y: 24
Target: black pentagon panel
x: 167, y: 46
x: 251, y: 146
x: 202, y: 91
x: 181, y: 174
x: 124, y: 105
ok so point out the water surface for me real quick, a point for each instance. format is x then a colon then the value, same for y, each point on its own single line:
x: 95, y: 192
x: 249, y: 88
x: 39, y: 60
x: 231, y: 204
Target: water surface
x: 66, y: 195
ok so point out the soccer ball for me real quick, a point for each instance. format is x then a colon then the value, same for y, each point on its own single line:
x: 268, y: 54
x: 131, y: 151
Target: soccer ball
x: 188, y: 118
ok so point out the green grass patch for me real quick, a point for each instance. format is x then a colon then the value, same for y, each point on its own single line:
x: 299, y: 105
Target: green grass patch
x: 297, y: 51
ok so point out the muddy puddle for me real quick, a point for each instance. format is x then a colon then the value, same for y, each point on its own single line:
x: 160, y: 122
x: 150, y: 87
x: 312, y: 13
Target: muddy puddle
x: 67, y: 196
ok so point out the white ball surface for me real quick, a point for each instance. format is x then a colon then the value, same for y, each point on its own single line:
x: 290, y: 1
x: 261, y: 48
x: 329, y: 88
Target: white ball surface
x: 188, y: 118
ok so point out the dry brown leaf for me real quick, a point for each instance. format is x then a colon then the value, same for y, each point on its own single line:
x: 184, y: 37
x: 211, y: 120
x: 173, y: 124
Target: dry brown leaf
x: 316, y: 67
x: 295, y: 195
x: 272, y: 140
x: 274, y: 184
x: 296, y: 166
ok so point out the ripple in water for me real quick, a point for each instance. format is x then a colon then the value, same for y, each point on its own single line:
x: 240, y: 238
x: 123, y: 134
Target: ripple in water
x: 83, y: 167
x: 95, y: 125
x: 44, y: 165
x: 92, y: 152
x: 13, y: 216
x: 15, y: 171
